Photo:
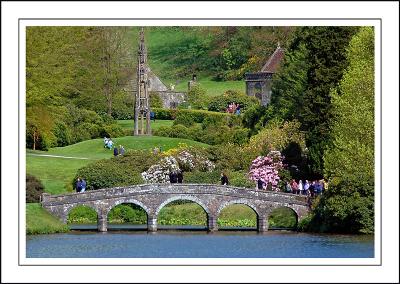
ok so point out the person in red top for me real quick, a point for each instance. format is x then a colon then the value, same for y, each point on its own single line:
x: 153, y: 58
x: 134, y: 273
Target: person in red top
x: 295, y: 187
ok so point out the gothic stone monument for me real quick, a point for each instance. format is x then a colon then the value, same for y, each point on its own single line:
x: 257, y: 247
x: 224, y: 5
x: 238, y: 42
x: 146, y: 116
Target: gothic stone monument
x: 258, y: 84
x: 142, y: 104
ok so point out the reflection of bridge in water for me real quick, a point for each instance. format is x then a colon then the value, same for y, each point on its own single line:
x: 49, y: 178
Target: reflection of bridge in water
x: 153, y: 197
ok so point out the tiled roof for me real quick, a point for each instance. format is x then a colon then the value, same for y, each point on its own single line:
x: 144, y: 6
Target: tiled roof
x: 273, y: 62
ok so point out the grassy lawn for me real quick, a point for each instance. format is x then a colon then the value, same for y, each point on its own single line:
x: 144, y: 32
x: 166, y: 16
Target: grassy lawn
x: 128, y: 124
x: 213, y: 88
x: 57, y: 173
x: 39, y: 221
x: 94, y: 149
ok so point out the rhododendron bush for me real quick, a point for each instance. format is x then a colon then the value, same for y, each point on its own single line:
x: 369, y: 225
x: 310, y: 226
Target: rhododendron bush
x: 159, y: 173
x: 266, y: 168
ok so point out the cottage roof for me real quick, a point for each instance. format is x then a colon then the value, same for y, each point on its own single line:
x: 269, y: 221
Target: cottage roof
x: 273, y: 62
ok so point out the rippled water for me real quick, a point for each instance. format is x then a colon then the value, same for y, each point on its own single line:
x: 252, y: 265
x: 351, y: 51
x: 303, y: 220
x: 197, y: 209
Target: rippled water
x: 193, y: 244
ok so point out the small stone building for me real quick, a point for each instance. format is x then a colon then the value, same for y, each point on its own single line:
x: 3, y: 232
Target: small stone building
x: 258, y: 84
x: 169, y: 98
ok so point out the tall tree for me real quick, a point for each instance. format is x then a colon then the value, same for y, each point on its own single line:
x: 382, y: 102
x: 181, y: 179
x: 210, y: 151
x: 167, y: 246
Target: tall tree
x: 349, y: 163
x: 52, y: 58
x: 317, y: 59
x: 290, y: 84
x: 109, y: 61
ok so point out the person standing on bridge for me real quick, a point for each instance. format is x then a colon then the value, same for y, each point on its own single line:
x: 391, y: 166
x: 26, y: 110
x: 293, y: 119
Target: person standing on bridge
x: 300, y: 187
x: 224, y: 179
x: 78, y: 185
x: 83, y: 185
x: 260, y: 184
x: 306, y: 186
x: 180, y: 176
x: 173, y: 177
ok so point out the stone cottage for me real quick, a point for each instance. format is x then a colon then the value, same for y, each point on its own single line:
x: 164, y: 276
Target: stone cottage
x: 169, y: 97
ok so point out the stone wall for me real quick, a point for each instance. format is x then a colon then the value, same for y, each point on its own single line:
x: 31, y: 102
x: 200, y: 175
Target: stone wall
x: 259, y: 85
x: 171, y: 99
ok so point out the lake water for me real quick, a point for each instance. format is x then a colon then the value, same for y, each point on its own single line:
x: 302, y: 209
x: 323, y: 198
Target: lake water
x: 198, y: 244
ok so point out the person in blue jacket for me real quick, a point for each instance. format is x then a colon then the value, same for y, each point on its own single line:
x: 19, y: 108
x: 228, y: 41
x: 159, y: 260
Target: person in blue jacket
x: 83, y: 185
x: 78, y: 185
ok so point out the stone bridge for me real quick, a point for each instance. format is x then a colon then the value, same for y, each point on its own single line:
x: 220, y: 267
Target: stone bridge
x: 153, y: 197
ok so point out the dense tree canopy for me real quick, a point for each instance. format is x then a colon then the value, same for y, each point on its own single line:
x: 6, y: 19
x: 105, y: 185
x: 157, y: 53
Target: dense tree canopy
x: 314, y: 64
x: 349, y: 162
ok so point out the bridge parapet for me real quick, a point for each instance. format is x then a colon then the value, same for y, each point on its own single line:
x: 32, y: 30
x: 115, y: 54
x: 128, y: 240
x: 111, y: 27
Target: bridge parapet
x: 145, y: 189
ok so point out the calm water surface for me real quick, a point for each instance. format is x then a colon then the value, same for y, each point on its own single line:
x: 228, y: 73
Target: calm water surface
x: 192, y: 244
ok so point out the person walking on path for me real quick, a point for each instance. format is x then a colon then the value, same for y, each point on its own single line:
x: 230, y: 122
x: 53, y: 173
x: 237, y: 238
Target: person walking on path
x: 78, y: 185
x: 121, y: 150
x: 115, y: 151
x: 224, y: 179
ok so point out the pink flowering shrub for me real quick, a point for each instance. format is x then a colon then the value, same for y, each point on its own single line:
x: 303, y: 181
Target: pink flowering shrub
x: 267, y: 169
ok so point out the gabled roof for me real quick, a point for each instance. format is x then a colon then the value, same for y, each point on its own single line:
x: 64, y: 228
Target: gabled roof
x: 273, y: 62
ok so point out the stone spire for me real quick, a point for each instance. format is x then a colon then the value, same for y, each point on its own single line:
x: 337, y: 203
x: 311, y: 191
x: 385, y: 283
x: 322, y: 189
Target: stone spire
x: 142, y: 106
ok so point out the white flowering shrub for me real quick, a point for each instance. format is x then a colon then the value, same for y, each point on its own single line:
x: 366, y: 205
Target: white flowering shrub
x: 182, y: 158
x: 189, y: 162
x: 159, y: 173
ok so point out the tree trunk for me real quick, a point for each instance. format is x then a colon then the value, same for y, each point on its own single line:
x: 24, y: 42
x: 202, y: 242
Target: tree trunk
x: 34, y: 140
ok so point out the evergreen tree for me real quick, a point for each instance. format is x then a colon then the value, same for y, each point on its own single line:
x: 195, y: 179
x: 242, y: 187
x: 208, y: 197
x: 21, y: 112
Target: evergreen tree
x: 289, y: 85
x: 315, y: 64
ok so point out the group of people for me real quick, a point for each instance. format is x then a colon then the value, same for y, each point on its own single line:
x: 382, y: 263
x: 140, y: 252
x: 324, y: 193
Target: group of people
x: 80, y: 185
x: 233, y: 108
x: 120, y: 152
x: 176, y: 176
x: 108, y: 143
x: 312, y: 189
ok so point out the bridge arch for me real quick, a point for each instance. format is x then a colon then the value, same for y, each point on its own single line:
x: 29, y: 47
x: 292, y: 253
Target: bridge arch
x: 239, y: 201
x: 287, y: 207
x: 126, y: 201
x: 74, y: 205
x: 183, y: 197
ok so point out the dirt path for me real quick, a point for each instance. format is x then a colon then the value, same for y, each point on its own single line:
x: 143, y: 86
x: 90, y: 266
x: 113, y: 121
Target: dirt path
x: 55, y: 156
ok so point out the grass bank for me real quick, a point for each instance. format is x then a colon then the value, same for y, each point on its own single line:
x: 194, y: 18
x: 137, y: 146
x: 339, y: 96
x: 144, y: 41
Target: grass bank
x: 39, y: 221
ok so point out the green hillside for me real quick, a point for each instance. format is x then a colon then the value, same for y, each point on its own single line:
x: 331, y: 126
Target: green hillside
x: 56, y: 173
x: 165, y: 45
